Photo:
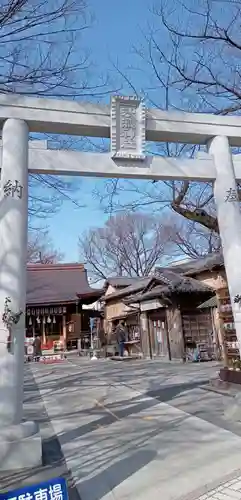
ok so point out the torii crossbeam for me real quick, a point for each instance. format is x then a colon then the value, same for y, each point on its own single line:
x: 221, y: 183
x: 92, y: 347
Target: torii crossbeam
x: 128, y: 125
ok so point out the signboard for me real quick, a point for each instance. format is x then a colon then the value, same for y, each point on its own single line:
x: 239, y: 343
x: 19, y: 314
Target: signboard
x: 128, y: 128
x: 150, y: 305
x: 30, y: 350
x: 28, y: 341
x: 51, y: 358
x: 92, y: 324
x: 54, y: 489
x: 45, y: 311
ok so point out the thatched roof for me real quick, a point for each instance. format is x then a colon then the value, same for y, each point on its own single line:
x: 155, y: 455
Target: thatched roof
x: 170, y: 280
x: 140, y: 285
x: 120, y: 281
x: 186, y: 285
x: 172, y: 284
x: 208, y: 304
x: 195, y: 266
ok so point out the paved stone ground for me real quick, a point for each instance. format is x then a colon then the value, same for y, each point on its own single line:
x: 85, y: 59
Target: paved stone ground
x: 53, y: 460
x: 229, y: 490
x: 137, y: 430
x: 141, y: 429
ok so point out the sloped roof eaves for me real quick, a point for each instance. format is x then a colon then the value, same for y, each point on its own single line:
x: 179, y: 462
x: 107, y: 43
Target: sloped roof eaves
x: 94, y: 295
x: 212, y: 302
x: 186, y: 285
x: 195, y: 266
x: 151, y: 294
x: 136, y: 287
x: 127, y: 314
x: 168, y: 276
x: 56, y: 284
x: 120, y: 281
x: 208, y: 264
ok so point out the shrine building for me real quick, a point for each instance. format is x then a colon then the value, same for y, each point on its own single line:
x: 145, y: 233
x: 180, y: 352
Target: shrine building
x: 55, y: 305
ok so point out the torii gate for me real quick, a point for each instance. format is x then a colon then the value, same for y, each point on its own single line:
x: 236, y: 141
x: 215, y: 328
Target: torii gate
x: 128, y: 125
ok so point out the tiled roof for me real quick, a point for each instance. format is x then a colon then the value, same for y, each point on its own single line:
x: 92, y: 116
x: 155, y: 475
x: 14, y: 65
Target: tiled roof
x: 56, y: 283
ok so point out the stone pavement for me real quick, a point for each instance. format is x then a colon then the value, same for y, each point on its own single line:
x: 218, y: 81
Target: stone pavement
x: 228, y: 488
x: 121, y: 443
x: 53, y: 460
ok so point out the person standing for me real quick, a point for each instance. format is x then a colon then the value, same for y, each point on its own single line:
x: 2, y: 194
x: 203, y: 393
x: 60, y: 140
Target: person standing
x: 121, y: 337
x: 37, y: 348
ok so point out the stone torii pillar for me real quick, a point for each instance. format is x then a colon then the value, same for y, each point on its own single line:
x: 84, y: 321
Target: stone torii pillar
x: 229, y: 221
x: 129, y: 126
x: 20, y: 441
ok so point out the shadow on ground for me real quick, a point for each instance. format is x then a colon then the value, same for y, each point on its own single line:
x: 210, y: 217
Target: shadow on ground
x: 103, y: 482
x: 53, y: 461
x: 104, y: 462
x: 119, y: 410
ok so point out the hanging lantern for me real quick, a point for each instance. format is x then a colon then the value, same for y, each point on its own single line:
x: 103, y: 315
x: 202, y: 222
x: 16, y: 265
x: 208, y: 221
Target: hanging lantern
x: 48, y: 319
x: 44, y: 320
x: 30, y: 321
x: 38, y: 320
x: 54, y: 320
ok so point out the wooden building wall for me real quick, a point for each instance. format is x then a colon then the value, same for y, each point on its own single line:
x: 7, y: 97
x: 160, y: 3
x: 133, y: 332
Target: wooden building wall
x: 159, y: 329
x: 215, y: 279
x: 175, y: 332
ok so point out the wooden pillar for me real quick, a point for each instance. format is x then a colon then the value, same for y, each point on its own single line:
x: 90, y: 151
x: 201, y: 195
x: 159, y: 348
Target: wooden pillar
x: 145, y: 336
x: 64, y: 330
x: 216, y: 344
x: 43, y: 331
x: 79, y: 315
x: 80, y: 320
x: 175, y: 332
x: 152, y: 338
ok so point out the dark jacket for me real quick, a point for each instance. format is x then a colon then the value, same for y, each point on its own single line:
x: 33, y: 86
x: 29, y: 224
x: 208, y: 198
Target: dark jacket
x: 37, y: 346
x: 121, y: 334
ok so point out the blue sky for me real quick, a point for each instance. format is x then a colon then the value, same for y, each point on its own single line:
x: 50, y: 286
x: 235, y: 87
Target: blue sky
x: 116, y: 29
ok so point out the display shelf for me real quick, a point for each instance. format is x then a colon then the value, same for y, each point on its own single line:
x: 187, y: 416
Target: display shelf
x: 230, y: 344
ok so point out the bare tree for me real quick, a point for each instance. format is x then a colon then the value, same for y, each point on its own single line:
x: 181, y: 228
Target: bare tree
x: 200, y: 55
x: 190, y: 240
x: 41, y: 48
x: 128, y: 245
x: 204, y: 52
x: 41, y: 249
x: 190, y: 58
x: 42, y: 53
